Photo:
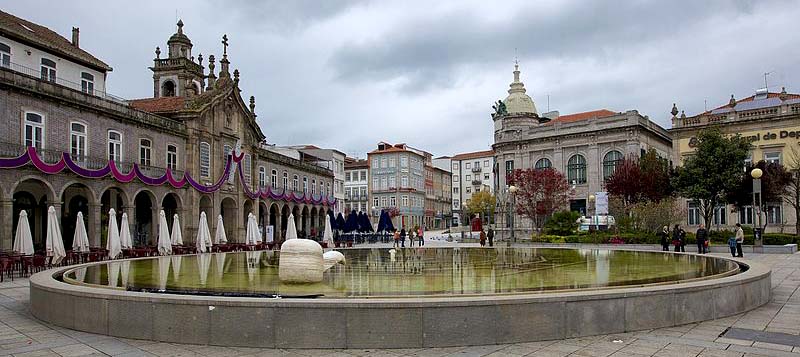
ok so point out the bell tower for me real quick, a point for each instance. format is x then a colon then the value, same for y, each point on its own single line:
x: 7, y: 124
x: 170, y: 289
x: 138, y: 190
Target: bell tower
x: 178, y: 75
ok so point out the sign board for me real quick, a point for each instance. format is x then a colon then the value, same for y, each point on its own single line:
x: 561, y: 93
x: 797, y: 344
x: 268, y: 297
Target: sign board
x: 270, y: 233
x: 601, y: 203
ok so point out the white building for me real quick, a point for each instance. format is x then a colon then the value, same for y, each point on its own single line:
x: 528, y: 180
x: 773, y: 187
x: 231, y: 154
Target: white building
x: 356, y: 185
x: 333, y: 160
x: 472, y: 172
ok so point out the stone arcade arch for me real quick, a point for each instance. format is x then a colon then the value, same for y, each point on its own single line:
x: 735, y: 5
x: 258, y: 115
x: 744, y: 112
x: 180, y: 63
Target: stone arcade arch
x: 145, y: 218
x: 33, y: 195
x: 230, y: 214
x: 75, y: 197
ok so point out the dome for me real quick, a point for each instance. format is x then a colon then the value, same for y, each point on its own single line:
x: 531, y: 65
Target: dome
x: 180, y: 37
x: 517, y: 101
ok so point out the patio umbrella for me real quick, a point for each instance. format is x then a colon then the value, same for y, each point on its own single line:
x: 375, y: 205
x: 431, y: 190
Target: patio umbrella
x: 176, y: 237
x: 219, y: 235
x: 327, y: 236
x: 164, y: 245
x: 23, y: 241
x: 203, y: 263
x: 219, y: 260
x: 54, y: 244
x: 113, y: 244
x: 382, y: 221
x: 176, y: 267
x: 389, y: 224
x: 251, y: 235
x: 291, y: 228
x: 340, y: 221
x: 80, y: 241
x: 351, y: 224
x: 113, y: 274
x: 163, y: 272
x: 203, y: 240
x: 125, y: 240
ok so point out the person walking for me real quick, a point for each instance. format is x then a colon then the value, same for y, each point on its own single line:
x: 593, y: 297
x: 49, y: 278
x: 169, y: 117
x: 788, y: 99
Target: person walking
x: 676, y: 237
x: 411, y: 238
x: 396, y: 239
x: 421, y: 236
x: 664, y: 235
x: 403, y: 237
x: 701, y: 237
x: 739, y: 240
x: 483, y: 238
x: 683, y: 240
x: 490, y: 235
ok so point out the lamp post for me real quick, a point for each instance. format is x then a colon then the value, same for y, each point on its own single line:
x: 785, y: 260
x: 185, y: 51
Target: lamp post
x: 756, y: 175
x: 511, y: 190
x: 592, y: 204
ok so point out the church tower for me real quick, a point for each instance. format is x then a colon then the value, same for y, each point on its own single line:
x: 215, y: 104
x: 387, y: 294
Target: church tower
x: 178, y: 75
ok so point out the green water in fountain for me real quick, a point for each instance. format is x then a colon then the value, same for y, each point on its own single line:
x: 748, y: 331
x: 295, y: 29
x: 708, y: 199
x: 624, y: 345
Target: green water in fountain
x: 380, y: 272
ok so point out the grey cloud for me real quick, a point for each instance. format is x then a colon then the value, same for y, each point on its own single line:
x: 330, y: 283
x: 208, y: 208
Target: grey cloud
x: 284, y: 16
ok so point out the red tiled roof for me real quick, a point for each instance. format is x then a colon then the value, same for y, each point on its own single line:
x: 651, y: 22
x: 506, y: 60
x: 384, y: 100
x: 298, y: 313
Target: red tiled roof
x: 356, y: 164
x: 158, y: 105
x: 569, y: 118
x: 472, y: 155
x: 752, y: 97
x: 38, y: 35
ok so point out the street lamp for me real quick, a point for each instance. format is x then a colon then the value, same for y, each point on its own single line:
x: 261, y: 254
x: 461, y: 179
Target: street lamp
x: 511, y: 190
x: 592, y: 204
x: 756, y: 175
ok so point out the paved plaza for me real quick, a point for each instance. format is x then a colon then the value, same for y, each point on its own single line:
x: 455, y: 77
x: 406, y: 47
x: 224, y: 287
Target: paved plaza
x: 23, y: 335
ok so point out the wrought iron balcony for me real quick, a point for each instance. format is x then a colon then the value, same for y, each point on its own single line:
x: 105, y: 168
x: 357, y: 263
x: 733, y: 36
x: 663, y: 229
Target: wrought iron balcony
x: 477, y: 168
x: 476, y: 182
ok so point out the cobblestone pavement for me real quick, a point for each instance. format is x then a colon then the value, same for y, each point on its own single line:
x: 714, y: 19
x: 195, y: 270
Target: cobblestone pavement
x: 22, y: 335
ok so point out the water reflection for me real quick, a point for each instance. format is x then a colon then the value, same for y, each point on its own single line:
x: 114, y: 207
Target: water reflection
x: 420, y: 271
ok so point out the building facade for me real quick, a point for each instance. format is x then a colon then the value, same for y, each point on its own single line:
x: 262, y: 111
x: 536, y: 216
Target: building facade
x: 356, y: 185
x: 193, y: 147
x: 772, y: 122
x: 472, y: 172
x: 586, y: 147
x: 438, y: 202
x: 333, y: 160
x: 397, y: 183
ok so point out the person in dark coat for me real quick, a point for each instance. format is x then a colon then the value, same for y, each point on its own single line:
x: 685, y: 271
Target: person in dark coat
x: 490, y: 235
x: 403, y: 237
x: 483, y: 238
x: 701, y: 237
x: 664, y: 235
x: 677, y: 238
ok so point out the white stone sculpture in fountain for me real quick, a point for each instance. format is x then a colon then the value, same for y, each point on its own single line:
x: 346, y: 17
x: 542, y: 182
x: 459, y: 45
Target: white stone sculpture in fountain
x: 301, y: 260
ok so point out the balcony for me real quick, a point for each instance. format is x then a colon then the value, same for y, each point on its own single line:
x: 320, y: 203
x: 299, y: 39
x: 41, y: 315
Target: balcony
x: 477, y: 168
x: 476, y: 182
x: 175, y: 63
x: 63, y: 82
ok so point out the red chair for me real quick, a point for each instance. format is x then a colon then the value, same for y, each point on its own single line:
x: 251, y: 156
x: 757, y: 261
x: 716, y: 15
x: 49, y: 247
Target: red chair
x: 39, y: 263
x: 6, y: 268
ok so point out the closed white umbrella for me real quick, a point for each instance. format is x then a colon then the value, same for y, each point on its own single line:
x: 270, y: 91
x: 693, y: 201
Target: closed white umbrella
x: 80, y: 241
x: 291, y: 228
x: 113, y: 245
x: 219, y: 260
x: 203, y: 264
x: 164, y: 245
x: 219, y: 236
x: 125, y: 240
x: 176, y: 267
x: 54, y: 243
x: 203, y: 239
x: 163, y: 272
x: 23, y: 241
x: 113, y: 274
x: 177, y: 237
x: 253, y: 262
x: 327, y: 236
x: 251, y: 236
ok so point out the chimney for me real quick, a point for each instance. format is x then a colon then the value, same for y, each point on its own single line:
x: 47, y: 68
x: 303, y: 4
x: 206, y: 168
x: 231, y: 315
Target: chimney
x: 76, y: 34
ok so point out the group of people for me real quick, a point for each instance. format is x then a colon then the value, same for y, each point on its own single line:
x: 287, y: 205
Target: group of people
x: 485, y: 235
x: 401, y: 235
x: 678, y: 240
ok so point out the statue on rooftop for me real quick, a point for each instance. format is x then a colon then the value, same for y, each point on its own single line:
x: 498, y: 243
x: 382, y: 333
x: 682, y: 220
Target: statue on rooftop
x: 500, y: 108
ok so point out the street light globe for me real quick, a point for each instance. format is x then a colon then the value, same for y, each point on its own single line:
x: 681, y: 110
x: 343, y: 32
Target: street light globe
x: 512, y: 189
x: 756, y: 173
x: 591, y: 198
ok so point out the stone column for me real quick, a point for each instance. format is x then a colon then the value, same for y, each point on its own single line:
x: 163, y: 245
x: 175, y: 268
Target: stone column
x: 7, y: 222
x: 594, y: 172
x: 94, y: 223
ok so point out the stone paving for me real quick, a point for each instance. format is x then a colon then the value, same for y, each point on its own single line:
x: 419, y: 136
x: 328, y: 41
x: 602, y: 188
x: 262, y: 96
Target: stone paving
x: 22, y: 335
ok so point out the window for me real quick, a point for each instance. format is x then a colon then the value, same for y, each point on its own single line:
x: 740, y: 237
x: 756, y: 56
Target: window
x: 305, y: 184
x: 774, y: 214
x: 383, y: 183
x: 87, y: 83
x: 404, y: 200
x: 543, y: 163
x: 746, y: 215
x: 384, y: 162
x: 455, y: 178
x: 364, y: 192
x: 694, y: 214
x: 468, y: 190
x: 485, y: 176
x: 404, y: 181
x: 274, y: 177
x: 772, y: 157
x: 455, y: 166
x: 321, y: 188
x: 363, y: 175
x: 375, y: 201
x: 145, y: 146
x: 262, y: 177
x: 48, y: 70
x: 168, y: 89
x: 347, y: 176
x: 328, y: 188
x: 313, y: 186
x: 468, y: 165
x: 485, y: 163
x: 34, y: 130
x: 5, y: 55
x: 748, y: 162
x: 248, y: 169
x: 115, y: 146
x: 403, y: 161
x: 295, y: 182
x: 455, y: 204
x: 392, y: 181
x: 205, y: 159
x: 576, y: 169
x: 375, y: 162
x: 720, y: 216
x: 391, y: 162
x: 469, y: 177
x: 509, y: 169
x: 375, y: 183
x: 285, y: 180
x: 172, y: 157
x: 392, y: 201
x: 226, y: 151
x: 77, y: 141
x: 610, y: 162
x: 384, y: 202
x: 455, y: 190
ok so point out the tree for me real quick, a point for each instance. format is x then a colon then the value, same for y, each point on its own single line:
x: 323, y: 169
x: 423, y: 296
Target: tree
x: 656, y: 173
x: 483, y: 203
x: 626, y: 183
x: 540, y: 193
x: 792, y: 194
x: 640, y: 180
x: 774, y: 181
x: 713, y: 171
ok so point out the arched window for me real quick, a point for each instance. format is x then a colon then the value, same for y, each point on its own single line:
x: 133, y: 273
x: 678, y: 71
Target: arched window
x: 172, y: 157
x: 285, y: 180
x: 168, y: 89
x: 248, y: 169
x: 5, y: 55
x: 77, y: 141
x: 543, y: 163
x: 610, y: 162
x: 576, y: 169
x: 274, y: 178
x: 115, y: 146
x: 34, y: 130
x: 262, y: 177
x: 295, y: 182
x: 305, y: 184
x: 48, y: 69
x: 205, y: 159
x: 313, y: 186
x: 145, y: 147
x: 226, y: 150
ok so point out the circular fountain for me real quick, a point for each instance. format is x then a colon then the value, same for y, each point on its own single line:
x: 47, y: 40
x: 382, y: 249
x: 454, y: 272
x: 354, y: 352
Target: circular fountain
x: 397, y: 299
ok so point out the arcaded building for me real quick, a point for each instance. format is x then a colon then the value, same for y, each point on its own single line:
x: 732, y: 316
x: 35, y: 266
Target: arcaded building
x: 194, y: 146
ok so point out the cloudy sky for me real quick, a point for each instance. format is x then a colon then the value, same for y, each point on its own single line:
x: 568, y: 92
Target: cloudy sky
x: 347, y: 74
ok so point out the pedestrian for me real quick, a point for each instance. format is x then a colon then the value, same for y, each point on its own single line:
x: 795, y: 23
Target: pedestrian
x: 483, y: 238
x: 683, y: 240
x: 739, y: 240
x: 396, y: 239
x: 490, y: 235
x: 664, y: 235
x: 676, y: 237
x: 403, y: 237
x: 421, y: 236
x: 701, y: 238
x: 411, y: 238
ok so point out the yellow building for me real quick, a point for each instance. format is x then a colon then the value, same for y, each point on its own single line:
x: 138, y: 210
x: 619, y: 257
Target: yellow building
x: 772, y: 122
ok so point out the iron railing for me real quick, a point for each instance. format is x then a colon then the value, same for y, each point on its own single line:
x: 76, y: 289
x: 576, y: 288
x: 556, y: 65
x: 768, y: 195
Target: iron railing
x: 16, y: 67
